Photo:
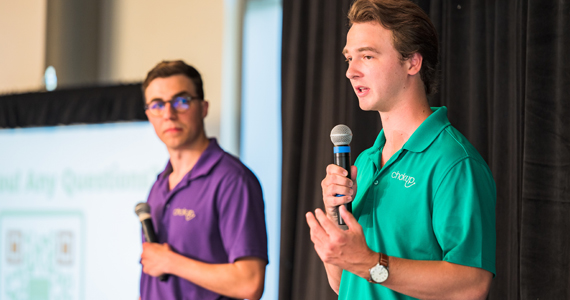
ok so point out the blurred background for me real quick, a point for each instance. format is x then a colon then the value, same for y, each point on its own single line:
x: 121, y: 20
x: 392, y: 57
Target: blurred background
x: 77, y: 153
x: 67, y: 193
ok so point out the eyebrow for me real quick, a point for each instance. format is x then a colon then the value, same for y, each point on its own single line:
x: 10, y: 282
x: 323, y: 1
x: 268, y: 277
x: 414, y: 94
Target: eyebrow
x: 177, y: 95
x: 362, y: 49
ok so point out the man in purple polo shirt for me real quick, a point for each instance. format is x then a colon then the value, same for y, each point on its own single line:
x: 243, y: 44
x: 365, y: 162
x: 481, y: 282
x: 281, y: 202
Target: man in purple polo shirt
x: 206, y: 206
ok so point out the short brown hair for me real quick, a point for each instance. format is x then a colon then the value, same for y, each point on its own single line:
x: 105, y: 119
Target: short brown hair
x: 175, y: 67
x: 412, y: 32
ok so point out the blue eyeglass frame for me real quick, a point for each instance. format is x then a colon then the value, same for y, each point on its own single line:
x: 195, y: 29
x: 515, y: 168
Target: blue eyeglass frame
x: 176, y: 103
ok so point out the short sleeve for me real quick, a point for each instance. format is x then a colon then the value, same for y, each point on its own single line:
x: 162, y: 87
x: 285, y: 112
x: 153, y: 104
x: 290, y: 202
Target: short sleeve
x: 464, y: 215
x: 241, y: 217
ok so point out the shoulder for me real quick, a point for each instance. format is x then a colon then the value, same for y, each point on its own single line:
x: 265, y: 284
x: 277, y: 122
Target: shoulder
x: 451, y: 147
x: 236, y: 185
x: 232, y: 165
x: 458, y: 161
x: 216, y: 164
x: 230, y: 168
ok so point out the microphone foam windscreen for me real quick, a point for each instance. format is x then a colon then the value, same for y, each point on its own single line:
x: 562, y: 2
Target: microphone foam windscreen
x: 341, y: 135
x: 142, y: 208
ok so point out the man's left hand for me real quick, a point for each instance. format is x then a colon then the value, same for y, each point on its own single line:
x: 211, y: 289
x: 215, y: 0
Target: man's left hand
x: 346, y: 249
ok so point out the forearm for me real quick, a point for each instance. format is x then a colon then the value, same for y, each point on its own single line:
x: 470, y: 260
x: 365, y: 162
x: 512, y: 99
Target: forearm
x: 243, y: 279
x: 334, y: 274
x: 437, y: 279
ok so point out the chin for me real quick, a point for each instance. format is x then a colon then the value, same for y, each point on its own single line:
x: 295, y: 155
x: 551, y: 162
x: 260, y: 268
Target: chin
x: 172, y: 144
x: 366, y: 106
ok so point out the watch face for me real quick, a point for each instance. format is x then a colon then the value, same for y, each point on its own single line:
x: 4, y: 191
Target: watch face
x: 379, y: 273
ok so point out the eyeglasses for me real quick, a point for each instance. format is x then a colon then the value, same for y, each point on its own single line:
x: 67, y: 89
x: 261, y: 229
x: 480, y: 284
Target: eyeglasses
x: 180, y: 104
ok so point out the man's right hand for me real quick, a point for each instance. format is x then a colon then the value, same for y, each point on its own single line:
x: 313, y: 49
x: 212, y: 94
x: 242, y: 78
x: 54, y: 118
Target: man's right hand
x: 336, y: 183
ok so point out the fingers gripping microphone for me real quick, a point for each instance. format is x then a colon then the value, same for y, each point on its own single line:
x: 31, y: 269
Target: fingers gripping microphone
x: 341, y: 136
x: 143, y: 211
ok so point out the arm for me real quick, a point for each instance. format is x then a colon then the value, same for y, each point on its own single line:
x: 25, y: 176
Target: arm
x: 347, y: 249
x: 242, y: 279
x: 438, y: 279
x: 420, y: 279
x: 334, y: 274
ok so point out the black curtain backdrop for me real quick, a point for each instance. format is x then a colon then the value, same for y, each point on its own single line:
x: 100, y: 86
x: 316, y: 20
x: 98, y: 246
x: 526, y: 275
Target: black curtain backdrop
x: 88, y: 105
x: 503, y: 75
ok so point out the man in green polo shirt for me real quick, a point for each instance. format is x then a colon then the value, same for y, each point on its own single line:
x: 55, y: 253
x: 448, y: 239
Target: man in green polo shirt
x: 423, y: 222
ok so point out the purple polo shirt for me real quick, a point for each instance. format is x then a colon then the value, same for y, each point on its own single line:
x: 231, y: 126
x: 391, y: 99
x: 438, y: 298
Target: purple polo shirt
x: 215, y: 215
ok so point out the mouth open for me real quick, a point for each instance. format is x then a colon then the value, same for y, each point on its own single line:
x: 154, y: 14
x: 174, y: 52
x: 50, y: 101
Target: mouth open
x: 361, y: 91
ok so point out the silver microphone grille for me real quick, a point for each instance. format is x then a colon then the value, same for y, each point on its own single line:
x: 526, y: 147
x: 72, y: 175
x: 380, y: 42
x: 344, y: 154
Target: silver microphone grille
x: 341, y: 135
x: 142, y: 208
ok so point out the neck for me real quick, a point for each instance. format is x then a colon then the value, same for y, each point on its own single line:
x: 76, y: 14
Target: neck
x: 184, y: 159
x: 401, y: 121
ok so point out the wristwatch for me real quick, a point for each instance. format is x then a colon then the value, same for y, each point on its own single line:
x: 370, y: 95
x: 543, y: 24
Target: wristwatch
x: 379, y: 273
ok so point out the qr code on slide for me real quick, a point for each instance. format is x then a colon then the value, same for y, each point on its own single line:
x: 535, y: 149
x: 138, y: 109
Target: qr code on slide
x: 40, y: 255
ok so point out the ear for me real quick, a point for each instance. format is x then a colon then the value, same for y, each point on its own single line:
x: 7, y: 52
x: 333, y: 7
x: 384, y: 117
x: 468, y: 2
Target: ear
x: 205, y: 104
x: 415, y: 63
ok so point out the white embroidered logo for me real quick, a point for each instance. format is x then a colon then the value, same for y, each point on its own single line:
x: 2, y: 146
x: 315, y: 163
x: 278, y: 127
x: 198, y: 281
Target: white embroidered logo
x: 408, y: 180
x: 188, y: 214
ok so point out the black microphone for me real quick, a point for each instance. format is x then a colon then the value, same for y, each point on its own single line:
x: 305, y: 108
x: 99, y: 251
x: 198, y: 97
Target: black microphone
x: 341, y: 136
x: 143, y: 211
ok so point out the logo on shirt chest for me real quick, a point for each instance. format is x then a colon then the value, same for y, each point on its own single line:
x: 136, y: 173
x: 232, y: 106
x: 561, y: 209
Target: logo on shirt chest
x: 408, y: 180
x: 188, y: 214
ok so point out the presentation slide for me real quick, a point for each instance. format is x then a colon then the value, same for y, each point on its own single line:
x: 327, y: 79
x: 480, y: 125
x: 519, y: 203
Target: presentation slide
x: 67, y: 195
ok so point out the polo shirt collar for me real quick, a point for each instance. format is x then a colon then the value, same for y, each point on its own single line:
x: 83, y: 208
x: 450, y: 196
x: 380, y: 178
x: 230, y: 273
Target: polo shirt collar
x: 203, y: 166
x: 376, y: 156
x: 209, y: 158
x: 420, y: 139
x: 428, y: 130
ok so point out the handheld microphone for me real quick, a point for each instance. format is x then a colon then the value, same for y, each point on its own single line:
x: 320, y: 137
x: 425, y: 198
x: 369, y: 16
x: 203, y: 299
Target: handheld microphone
x: 341, y: 136
x: 143, y: 211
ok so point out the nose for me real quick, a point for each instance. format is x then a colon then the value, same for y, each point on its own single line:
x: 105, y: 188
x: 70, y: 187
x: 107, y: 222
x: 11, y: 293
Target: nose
x: 353, y: 71
x: 169, y: 112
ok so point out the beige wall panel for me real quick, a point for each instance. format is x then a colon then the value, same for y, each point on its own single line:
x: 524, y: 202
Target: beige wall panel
x: 137, y: 34
x: 22, y: 45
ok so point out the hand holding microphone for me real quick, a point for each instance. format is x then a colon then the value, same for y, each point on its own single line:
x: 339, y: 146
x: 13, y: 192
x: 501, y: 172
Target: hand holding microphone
x: 341, y: 136
x: 143, y: 211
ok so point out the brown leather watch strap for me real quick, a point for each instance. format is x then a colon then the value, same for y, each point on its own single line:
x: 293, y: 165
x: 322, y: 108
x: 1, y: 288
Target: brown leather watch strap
x: 383, y: 260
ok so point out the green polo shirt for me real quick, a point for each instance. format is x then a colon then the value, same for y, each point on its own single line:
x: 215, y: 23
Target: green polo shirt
x: 433, y: 200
